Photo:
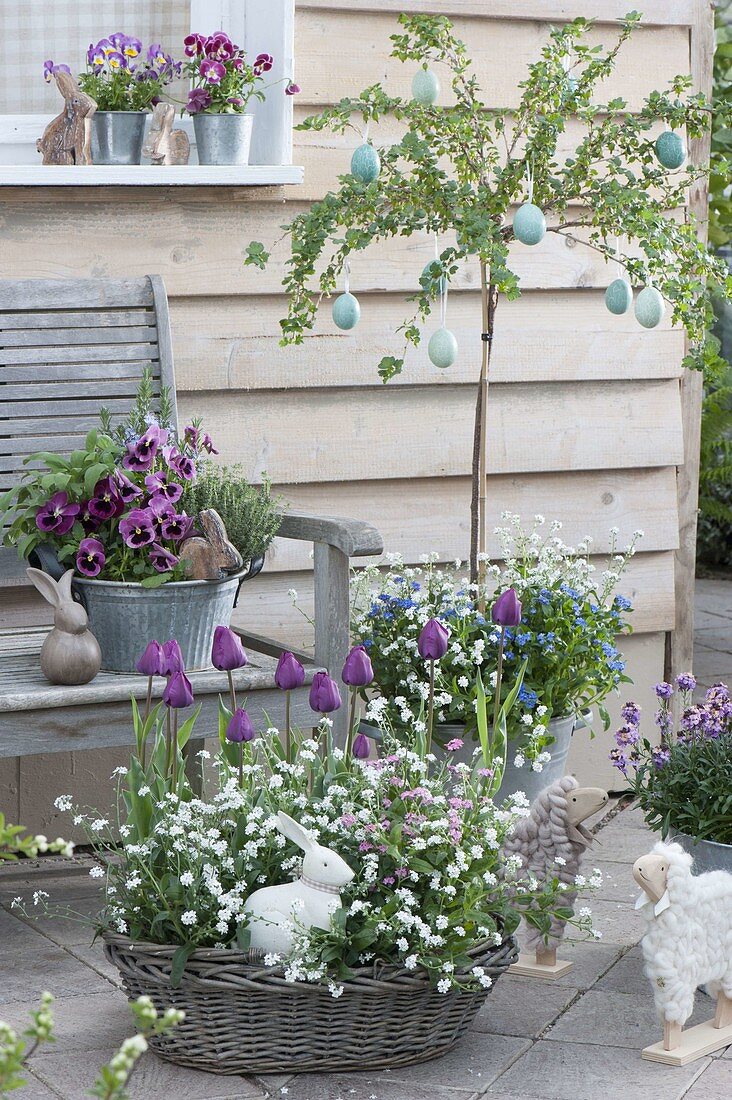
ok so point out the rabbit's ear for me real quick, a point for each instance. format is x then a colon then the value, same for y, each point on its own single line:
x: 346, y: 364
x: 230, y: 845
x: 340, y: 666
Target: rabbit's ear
x: 46, y: 585
x: 64, y: 586
x: 294, y: 831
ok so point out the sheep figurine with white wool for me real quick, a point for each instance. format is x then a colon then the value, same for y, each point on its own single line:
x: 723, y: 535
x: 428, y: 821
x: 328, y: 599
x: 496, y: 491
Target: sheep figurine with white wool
x: 688, y: 943
x: 551, y: 842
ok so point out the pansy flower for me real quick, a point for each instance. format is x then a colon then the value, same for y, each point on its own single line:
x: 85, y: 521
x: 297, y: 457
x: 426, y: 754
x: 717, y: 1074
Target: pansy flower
x: 105, y: 503
x: 213, y: 72
x: 263, y: 62
x: 117, y: 61
x: 90, y: 558
x: 50, y: 70
x: 182, y: 465
x: 159, y: 485
x: 193, y: 45
x: 162, y: 559
x: 198, y: 100
x: 137, y: 528
x: 292, y: 89
x: 57, y: 515
x: 176, y: 527
x: 219, y: 46
x: 126, y: 490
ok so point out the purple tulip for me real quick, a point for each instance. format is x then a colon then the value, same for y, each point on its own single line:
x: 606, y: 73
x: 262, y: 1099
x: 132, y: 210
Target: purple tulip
x: 324, y: 694
x: 178, y: 692
x: 151, y: 662
x: 172, y: 661
x: 162, y: 559
x: 137, y: 528
x: 240, y: 728
x: 90, y: 557
x: 227, y: 652
x: 193, y: 45
x: 263, y: 62
x: 289, y: 673
x: 361, y: 748
x: 293, y: 89
x: 506, y: 611
x: 125, y: 489
x: 57, y: 516
x: 198, y: 100
x: 357, y: 670
x: 213, y: 72
x: 432, y: 641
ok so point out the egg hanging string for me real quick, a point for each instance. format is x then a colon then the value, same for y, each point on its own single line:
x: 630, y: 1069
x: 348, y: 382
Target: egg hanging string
x: 346, y: 277
x: 529, y: 183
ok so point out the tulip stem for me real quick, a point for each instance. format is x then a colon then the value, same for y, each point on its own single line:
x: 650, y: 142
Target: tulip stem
x: 174, y: 751
x: 232, y: 691
x: 148, y: 706
x: 288, y: 730
x: 241, y: 765
x: 351, y: 724
x: 499, y: 679
x: 431, y: 712
x: 168, y: 734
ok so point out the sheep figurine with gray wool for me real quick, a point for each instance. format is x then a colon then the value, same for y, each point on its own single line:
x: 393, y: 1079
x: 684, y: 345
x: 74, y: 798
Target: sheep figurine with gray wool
x: 551, y: 842
x: 688, y: 943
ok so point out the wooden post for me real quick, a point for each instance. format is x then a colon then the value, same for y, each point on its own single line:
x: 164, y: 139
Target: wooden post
x: 331, y: 623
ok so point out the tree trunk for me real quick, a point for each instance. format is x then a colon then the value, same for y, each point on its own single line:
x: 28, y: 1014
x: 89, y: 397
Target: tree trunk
x: 478, y: 526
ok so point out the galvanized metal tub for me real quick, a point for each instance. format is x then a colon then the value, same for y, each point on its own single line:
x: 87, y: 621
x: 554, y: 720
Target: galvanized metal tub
x: 125, y: 616
x: 708, y: 854
x: 223, y: 138
x: 117, y: 136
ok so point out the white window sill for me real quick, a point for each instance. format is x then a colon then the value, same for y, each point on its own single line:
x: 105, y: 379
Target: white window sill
x: 141, y: 175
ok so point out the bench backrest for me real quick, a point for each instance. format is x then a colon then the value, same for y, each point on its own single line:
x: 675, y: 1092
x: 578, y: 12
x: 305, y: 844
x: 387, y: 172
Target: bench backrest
x: 68, y: 346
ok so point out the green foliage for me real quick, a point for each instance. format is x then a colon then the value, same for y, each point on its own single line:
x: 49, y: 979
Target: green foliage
x: 14, y: 843
x: 720, y: 199
x: 692, y: 792
x: 461, y: 168
x: 715, y: 474
x: 16, y: 1049
x: 250, y: 513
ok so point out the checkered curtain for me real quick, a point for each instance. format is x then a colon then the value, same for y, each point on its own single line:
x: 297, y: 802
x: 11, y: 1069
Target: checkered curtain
x: 33, y: 30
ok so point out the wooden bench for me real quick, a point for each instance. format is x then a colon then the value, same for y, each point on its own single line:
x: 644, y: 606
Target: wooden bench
x: 67, y: 347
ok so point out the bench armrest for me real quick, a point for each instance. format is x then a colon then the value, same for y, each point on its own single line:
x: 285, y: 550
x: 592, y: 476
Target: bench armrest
x: 352, y: 537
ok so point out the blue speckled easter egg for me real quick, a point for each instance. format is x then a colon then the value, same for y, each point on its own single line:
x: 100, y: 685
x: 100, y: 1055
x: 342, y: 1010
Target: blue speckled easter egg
x: 425, y: 87
x: 529, y: 224
x: 619, y: 296
x: 365, y: 164
x: 649, y: 307
x: 442, y: 348
x: 346, y: 311
x: 670, y: 149
x: 429, y: 283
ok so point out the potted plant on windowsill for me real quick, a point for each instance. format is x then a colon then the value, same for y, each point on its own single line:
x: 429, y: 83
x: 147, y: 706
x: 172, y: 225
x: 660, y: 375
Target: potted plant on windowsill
x: 223, y: 83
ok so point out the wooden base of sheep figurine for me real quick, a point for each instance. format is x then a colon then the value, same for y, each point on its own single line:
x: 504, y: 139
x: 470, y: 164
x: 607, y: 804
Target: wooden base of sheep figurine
x: 553, y: 830
x: 688, y: 944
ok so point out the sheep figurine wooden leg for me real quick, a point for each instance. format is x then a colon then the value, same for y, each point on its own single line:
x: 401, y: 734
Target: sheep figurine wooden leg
x: 551, y: 842
x: 688, y: 943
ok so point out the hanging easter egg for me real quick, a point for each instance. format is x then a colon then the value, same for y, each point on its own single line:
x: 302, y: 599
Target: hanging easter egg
x: 442, y: 348
x: 346, y: 311
x: 670, y: 149
x: 529, y: 224
x: 433, y: 285
x: 365, y: 164
x: 619, y: 296
x: 649, y: 307
x: 425, y: 87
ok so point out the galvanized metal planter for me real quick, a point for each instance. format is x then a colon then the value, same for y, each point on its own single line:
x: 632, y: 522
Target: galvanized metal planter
x: 117, y: 136
x: 223, y: 138
x: 708, y: 855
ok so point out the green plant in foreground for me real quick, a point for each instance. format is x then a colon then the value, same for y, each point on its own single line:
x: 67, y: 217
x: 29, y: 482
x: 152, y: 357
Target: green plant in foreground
x: 715, y: 473
x: 250, y: 513
x: 13, y: 843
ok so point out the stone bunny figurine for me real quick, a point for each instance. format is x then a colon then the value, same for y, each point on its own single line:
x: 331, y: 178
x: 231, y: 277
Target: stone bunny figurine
x: 275, y: 911
x: 163, y: 144
x: 210, y: 556
x: 67, y: 138
x: 70, y: 654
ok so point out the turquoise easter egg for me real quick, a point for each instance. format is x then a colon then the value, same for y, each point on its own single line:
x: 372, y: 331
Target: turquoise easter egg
x: 619, y: 296
x: 529, y: 224
x: 442, y: 348
x: 425, y: 87
x: 346, y: 311
x: 649, y: 307
x: 365, y: 164
x: 670, y: 149
x: 428, y: 282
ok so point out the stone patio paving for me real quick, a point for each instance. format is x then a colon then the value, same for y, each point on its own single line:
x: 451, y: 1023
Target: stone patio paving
x: 575, y: 1039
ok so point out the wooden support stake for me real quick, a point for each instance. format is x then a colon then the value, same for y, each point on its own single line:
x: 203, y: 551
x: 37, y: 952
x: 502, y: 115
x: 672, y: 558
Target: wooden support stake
x: 530, y: 966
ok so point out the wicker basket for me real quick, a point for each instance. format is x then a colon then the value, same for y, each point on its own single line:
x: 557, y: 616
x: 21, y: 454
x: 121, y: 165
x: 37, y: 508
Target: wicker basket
x: 244, y: 1018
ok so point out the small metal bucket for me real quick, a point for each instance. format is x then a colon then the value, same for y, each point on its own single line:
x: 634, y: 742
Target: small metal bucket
x: 708, y: 854
x: 117, y: 136
x: 124, y: 617
x: 223, y: 138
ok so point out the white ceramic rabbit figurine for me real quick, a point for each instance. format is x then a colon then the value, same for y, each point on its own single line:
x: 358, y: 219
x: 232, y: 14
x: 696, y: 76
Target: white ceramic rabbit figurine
x: 309, y: 902
x: 70, y: 654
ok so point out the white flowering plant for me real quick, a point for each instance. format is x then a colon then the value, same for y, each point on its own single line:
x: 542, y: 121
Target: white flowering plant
x: 565, y: 642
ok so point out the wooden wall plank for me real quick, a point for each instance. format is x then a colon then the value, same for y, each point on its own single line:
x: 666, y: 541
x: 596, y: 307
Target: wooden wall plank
x: 334, y: 435
x: 655, y: 12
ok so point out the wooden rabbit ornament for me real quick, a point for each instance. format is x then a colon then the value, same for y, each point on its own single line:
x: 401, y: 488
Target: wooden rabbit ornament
x: 67, y: 138
x: 70, y: 654
x: 210, y: 556
x: 163, y: 144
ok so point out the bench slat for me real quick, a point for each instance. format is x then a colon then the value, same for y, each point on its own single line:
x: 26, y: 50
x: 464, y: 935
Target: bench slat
x: 76, y: 318
x: 82, y: 354
x: 35, y: 294
x: 73, y: 337
x: 91, y: 372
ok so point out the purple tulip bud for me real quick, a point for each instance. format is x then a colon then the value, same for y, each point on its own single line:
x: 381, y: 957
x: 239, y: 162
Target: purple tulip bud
x: 151, y: 662
x: 227, y: 652
x: 289, y: 673
x: 433, y: 639
x: 178, y: 692
x: 240, y: 728
x: 361, y: 747
x: 506, y: 611
x: 324, y: 694
x: 357, y: 671
x: 172, y: 661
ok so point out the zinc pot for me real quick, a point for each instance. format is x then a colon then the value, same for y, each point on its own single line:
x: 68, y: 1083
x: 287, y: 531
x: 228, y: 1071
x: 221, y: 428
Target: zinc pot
x: 708, y: 854
x: 125, y: 616
x: 223, y: 138
x: 117, y: 136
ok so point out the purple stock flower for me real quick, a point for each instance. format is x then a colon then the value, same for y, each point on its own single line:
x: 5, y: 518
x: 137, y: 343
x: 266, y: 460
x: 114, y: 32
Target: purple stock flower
x: 661, y: 756
x: 240, y: 727
x: 57, y: 516
x: 685, y: 682
x: 357, y: 670
x: 361, y: 748
x: 664, y: 690
x: 198, y: 100
x: 627, y: 735
x: 90, y: 557
x: 172, y: 661
x: 506, y: 611
x: 213, y: 72
x: 181, y: 464
x: 151, y: 662
x: 227, y: 652
x: 263, y: 62
x: 178, y: 692
x: 293, y: 89
x: 137, y: 528
x: 193, y: 45
x: 50, y: 70
x: 433, y: 639
x: 324, y: 694
x: 455, y: 744
x: 619, y: 760
x: 289, y: 673
x: 631, y: 714
x: 162, y: 559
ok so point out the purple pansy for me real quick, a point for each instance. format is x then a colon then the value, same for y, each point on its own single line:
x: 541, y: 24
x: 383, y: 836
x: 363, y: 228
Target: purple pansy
x: 293, y: 89
x: 50, y: 70
x: 57, y: 515
x: 162, y: 559
x: 181, y: 464
x: 213, y: 72
x: 263, y: 62
x: 90, y: 558
x: 137, y: 528
x: 105, y: 502
x: 158, y: 485
x: 126, y: 490
x: 95, y: 57
x: 219, y: 46
x: 176, y: 527
x: 117, y: 61
x: 198, y: 100
x: 193, y: 45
